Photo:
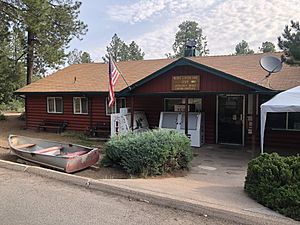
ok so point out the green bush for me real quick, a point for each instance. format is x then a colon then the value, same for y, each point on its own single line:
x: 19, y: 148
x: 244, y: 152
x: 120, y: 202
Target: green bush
x: 15, y: 105
x: 274, y: 181
x: 148, y: 153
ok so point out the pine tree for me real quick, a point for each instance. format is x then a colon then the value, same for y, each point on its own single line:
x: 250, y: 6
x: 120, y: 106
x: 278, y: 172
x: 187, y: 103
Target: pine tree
x: 47, y: 28
x: 189, y: 30
x: 242, y: 48
x: 267, y: 46
x: 120, y: 51
x: 290, y: 44
x: 11, y: 67
x: 135, y: 52
x: 78, y: 57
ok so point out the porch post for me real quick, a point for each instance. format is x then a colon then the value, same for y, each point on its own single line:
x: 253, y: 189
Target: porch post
x: 90, y: 102
x: 186, y: 119
x: 253, y: 137
x: 26, y: 112
x: 132, y: 112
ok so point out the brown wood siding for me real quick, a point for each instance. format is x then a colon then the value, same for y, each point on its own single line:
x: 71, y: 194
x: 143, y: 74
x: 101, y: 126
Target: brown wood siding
x: 37, y: 112
x: 208, y: 82
x: 152, y: 106
x: 282, y: 139
x: 98, y: 111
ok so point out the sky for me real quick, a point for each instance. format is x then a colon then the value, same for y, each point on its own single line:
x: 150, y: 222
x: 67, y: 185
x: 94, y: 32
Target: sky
x: 152, y: 24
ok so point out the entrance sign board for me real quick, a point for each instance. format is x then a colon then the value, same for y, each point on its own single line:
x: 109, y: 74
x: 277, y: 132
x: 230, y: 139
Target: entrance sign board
x: 186, y: 83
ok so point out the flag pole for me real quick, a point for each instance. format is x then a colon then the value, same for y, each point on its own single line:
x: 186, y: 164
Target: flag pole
x: 120, y: 72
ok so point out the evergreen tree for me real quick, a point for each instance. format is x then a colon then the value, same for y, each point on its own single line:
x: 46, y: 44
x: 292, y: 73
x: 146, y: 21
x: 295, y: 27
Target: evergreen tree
x: 290, y: 44
x: 78, y: 57
x: 135, y: 52
x: 47, y: 27
x: 267, y: 46
x: 122, y: 52
x: 188, y: 31
x: 242, y: 48
x: 11, y: 67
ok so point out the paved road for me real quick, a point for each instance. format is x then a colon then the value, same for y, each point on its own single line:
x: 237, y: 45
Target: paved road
x: 29, y: 199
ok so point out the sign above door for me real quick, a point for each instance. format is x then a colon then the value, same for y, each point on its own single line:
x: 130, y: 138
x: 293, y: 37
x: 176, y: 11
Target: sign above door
x: 186, y: 83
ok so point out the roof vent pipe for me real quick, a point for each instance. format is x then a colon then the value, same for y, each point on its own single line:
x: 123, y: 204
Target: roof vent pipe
x: 190, y: 48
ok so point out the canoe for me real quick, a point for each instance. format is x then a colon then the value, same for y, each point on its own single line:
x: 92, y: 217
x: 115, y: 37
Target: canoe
x: 62, y: 156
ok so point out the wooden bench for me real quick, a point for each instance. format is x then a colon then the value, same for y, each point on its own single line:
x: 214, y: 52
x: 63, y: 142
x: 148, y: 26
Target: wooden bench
x: 100, y: 130
x: 59, y: 126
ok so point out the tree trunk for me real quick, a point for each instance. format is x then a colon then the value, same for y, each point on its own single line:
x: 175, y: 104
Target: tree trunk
x: 30, y: 39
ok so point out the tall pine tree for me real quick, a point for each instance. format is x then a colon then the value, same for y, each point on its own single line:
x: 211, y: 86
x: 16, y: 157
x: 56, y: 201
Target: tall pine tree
x: 189, y: 31
x: 242, y: 48
x: 267, y: 46
x: 290, y: 44
x: 78, y: 57
x: 120, y: 51
x: 47, y: 26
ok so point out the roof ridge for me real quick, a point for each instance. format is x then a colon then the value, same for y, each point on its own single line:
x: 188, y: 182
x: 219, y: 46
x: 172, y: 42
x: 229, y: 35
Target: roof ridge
x: 232, y: 55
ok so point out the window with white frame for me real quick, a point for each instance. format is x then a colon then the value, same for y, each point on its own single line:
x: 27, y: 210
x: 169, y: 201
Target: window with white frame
x: 55, y: 105
x: 80, y: 105
x: 119, y: 103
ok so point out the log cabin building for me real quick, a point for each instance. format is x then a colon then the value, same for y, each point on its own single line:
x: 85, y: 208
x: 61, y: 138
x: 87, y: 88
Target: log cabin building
x: 227, y: 89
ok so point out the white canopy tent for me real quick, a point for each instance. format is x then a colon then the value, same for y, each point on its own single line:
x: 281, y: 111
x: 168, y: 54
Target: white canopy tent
x: 287, y: 101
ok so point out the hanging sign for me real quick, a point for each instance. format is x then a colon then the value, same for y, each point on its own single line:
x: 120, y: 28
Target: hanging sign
x: 186, y: 83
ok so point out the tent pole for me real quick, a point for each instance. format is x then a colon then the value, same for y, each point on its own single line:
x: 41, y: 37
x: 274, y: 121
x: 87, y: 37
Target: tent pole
x: 132, y: 113
x: 186, y: 116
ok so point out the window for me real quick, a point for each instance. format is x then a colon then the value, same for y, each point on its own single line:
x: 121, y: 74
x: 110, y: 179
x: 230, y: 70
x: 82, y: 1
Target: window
x: 283, y: 121
x: 119, y: 103
x: 178, y: 104
x: 54, y: 105
x: 294, y: 120
x: 80, y: 105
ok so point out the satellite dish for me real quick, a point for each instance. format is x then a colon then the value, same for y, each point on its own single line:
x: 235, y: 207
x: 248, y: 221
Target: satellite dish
x: 271, y: 64
x: 191, y: 43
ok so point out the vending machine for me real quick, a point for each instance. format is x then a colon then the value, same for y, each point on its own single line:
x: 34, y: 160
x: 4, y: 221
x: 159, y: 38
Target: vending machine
x: 176, y: 121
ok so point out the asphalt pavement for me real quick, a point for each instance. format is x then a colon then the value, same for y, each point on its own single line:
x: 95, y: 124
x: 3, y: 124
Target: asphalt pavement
x: 30, y: 199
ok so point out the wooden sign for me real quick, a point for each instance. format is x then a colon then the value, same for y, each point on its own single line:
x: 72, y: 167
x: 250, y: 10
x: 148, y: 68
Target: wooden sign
x: 186, y: 83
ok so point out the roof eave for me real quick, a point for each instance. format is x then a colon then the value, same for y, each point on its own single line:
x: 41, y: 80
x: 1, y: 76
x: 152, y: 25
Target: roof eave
x: 61, y: 93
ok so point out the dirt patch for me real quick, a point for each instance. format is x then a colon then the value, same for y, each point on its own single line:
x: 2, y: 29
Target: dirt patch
x: 12, y: 125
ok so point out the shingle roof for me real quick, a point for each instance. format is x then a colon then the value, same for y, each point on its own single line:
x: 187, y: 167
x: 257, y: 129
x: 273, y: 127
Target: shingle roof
x: 93, y: 77
x: 247, y: 67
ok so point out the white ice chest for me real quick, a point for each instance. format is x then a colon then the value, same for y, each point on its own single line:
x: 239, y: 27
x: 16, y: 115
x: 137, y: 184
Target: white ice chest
x: 176, y: 121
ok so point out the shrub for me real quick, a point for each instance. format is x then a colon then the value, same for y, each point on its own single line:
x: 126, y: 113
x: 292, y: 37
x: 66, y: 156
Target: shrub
x: 149, y: 153
x: 15, y: 105
x: 274, y: 181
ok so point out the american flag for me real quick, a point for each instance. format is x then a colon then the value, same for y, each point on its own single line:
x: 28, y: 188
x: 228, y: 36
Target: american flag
x: 114, y: 75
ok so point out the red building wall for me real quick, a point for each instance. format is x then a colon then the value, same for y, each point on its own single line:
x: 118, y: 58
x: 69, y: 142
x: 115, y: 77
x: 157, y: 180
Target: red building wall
x: 208, y: 82
x: 150, y: 99
x: 36, y: 106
